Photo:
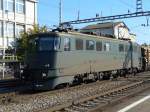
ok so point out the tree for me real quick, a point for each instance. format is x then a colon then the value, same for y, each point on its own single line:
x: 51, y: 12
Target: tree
x: 145, y: 45
x: 23, y: 43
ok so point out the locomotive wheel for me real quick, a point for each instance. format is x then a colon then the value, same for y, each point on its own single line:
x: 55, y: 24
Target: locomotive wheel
x: 115, y: 76
x: 106, y: 76
x: 100, y: 76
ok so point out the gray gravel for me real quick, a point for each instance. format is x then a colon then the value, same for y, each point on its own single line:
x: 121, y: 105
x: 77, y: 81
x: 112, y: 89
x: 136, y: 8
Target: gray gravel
x: 37, y: 102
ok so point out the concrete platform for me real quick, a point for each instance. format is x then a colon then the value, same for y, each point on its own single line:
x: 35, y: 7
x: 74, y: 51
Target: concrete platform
x: 138, y: 103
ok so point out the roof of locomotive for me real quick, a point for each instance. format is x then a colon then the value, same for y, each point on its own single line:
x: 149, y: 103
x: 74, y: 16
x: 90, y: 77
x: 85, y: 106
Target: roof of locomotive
x: 74, y: 33
x: 82, y: 35
x: 44, y: 34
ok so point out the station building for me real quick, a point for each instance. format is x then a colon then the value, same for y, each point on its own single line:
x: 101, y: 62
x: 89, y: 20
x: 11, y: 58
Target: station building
x: 117, y: 30
x: 15, y: 16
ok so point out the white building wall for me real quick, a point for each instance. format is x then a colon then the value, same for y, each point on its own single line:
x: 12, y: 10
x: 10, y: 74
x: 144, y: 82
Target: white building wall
x: 30, y: 13
x: 120, y: 31
x: 133, y: 37
x: 1, y: 14
x: 16, y: 20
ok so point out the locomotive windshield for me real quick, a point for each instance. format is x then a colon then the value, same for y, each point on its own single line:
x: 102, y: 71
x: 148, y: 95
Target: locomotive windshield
x: 49, y: 44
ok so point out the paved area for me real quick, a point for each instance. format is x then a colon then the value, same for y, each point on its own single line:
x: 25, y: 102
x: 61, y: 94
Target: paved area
x: 142, y: 107
x: 138, y: 103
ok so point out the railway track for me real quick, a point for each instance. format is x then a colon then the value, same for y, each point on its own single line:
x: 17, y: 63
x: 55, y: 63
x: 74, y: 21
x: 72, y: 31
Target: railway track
x: 81, y: 98
x: 100, y: 101
x: 9, y: 89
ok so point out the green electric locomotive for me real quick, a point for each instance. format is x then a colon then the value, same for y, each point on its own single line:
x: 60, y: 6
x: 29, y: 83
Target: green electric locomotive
x: 66, y: 58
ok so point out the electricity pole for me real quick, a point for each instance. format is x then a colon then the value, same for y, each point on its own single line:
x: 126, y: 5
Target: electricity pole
x: 147, y: 21
x: 78, y: 18
x: 60, y: 11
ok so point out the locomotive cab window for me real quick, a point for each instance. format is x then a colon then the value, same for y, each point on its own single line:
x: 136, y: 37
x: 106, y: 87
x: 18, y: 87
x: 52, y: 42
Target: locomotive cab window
x: 90, y: 45
x: 99, y: 46
x: 67, y: 44
x: 49, y: 43
x: 107, y: 47
x: 79, y: 44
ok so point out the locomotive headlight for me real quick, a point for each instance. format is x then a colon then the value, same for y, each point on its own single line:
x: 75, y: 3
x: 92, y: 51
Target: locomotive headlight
x: 44, y: 74
x: 21, y: 71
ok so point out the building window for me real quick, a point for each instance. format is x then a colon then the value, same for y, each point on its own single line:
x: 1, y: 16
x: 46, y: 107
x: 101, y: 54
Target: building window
x: 19, y: 29
x: 79, y: 44
x: 67, y: 44
x: 1, y: 4
x: 99, y: 46
x: 11, y: 42
x: 90, y: 45
x: 107, y: 47
x: 9, y: 5
x: 1, y: 27
x: 121, y: 48
x: 10, y: 29
x: 20, y: 6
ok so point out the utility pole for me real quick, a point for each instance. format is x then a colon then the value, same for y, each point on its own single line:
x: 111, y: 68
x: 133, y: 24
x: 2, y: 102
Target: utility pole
x: 60, y: 12
x: 4, y: 49
x: 78, y: 18
x: 101, y: 14
x: 147, y: 20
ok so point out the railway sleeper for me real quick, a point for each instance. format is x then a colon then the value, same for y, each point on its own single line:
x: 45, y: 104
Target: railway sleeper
x: 121, y: 94
x: 106, y: 99
x: 79, y: 108
x: 84, y: 105
x: 102, y: 100
x: 112, y: 96
x: 97, y: 101
x: 105, y: 96
x: 69, y: 110
x: 92, y: 103
x: 58, y: 111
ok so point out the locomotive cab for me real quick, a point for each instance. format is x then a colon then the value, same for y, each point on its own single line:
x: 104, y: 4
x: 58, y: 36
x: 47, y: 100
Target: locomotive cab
x: 41, y: 58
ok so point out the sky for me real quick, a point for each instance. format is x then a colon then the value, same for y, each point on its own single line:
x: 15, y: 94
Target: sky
x: 48, y: 13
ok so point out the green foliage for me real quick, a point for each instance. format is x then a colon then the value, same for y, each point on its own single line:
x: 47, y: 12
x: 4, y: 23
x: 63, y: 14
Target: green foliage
x: 145, y: 44
x: 24, y: 44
